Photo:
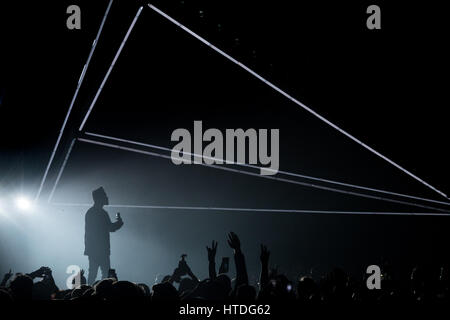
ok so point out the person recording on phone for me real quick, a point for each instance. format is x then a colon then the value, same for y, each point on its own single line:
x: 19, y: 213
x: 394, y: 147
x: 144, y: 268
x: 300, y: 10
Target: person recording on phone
x: 98, y: 225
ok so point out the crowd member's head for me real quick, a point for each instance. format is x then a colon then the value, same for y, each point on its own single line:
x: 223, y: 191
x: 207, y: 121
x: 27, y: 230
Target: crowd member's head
x: 186, y: 285
x: 126, y: 290
x: 164, y: 292
x: 246, y: 293
x: 281, y: 288
x: 21, y: 287
x: 145, y: 288
x: 217, y: 290
x: 78, y: 292
x: 42, y: 290
x: 103, y: 289
x: 225, y: 282
x: 306, y: 288
x: 5, y: 297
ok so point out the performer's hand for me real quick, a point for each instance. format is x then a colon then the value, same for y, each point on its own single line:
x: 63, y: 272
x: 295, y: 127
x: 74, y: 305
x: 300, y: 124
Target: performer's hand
x: 118, y: 217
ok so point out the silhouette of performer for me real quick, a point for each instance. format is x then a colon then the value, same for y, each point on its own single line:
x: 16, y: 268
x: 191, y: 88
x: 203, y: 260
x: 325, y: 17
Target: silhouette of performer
x: 98, y: 225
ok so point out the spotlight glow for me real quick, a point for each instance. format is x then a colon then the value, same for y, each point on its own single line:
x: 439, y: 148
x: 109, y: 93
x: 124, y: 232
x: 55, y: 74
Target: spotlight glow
x: 23, y: 203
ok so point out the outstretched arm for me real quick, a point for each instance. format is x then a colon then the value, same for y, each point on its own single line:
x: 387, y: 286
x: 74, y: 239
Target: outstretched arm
x: 212, y: 260
x: 39, y: 273
x: 239, y: 260
x: 185, y: 269
x: 192, y: 275
x: 117, y: 224
x: 176, y: 276
x: 181, y: 270
x: 48, y: 279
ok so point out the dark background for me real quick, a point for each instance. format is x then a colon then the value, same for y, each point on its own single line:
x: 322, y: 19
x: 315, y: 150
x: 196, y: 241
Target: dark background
x: 385, y: 87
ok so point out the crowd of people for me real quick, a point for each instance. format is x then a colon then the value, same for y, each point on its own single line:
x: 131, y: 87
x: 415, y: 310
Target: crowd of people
x: 183, y: 285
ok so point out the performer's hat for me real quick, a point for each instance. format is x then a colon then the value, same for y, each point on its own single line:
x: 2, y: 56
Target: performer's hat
x: 98, y: 192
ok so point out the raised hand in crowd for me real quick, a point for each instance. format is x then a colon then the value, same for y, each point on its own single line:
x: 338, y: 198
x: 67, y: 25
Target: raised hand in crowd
x: 212, y: 259
x: 6, y: 277
x: 234, y: 242
x: 239, y: 260
x: 264, y: 258
x: 42, y: 272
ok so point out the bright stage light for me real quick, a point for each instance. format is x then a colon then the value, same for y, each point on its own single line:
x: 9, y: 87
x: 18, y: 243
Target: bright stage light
x: 23, y: 203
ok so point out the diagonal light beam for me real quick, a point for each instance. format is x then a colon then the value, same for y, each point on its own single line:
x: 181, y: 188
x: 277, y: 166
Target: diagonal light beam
x: 110, y: 68
x: 80, y: 81
x: 227, y: 209
x: 61, y: 170
x: 272, y: 170
x: 270, y: 84
x: 305, y: 184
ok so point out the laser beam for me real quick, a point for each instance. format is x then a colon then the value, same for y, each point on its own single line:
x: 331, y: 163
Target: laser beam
x: 297, y: 102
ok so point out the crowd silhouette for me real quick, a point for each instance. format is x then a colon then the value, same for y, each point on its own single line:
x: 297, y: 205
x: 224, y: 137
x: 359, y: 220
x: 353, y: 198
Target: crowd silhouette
x: 273, y: 286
